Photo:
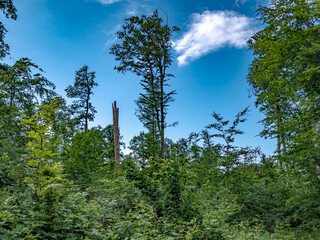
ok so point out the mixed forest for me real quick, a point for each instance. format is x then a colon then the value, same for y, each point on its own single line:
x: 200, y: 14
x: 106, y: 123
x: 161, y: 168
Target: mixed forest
x: 59, y: 180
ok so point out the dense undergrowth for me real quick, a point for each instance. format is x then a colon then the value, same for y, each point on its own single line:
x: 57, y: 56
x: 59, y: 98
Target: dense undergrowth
x: 216, y: 191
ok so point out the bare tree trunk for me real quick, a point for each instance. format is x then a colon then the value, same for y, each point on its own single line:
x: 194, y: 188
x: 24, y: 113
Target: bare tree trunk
x: 115, y: 111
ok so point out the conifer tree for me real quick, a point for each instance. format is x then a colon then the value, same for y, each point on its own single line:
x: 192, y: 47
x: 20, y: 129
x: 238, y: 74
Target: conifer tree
x: 82, y: 90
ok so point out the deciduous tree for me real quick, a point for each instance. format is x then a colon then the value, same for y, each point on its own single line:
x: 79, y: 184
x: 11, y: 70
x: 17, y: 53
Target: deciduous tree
x: 285, y: 75
x: 145, y: 50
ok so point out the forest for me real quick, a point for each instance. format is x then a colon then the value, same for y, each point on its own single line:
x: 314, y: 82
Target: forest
x: 59, y: 178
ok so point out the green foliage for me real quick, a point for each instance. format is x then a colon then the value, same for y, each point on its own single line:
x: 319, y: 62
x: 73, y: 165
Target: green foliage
x: 113, y: 211
x: 11, y: 171
x: 9, y: 11
x: 285, y: 79
x: 284, y: 76
x: 145, y: 50
x: 82, y: 90
x: 230, y: 156
x: 45, y: 173
x: 166, y: 183
x: 43, y: 183
x: 12, y: 133
x: 90, y: 155
x: 145, y: 146
x: 20, y: 90
x: 57, y: 182
x: 124, y: 211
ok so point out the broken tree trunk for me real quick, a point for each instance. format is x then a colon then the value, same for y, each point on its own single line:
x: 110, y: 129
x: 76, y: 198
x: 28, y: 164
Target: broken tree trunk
x: 115, y: 112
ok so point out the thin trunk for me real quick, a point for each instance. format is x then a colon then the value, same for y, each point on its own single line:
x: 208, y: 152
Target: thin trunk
x: 155, y: 106
x: 115, y: 111
x: 162, y: 126
x: 162, y: 117
x: 87, y: 110
x: 316, y: 146
x: 278, y: 136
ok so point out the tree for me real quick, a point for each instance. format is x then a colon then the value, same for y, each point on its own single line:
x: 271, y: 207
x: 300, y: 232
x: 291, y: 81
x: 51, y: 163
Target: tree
x: 145, y: 50
x: 89, y: 155
x: 20, y: 90
x: 10, y: 11
x: 143, y: 146
x: 82, y: 89
x: 285, y: 75
x: 229, y: 156
x: 41, y: 146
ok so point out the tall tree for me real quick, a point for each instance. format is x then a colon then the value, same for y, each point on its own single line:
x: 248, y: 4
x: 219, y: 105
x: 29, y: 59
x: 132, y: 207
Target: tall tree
x: 82, y: 91
x: 145, y: 50
x: 285, y: 75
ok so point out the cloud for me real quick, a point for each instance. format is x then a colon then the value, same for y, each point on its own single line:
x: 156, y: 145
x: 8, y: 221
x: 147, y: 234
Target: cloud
x: 237, y: 2
x: 136, y: 8
x: 107, y: 2
x: 112, y: 36
x: 212, y: 30
x: 132, y: 9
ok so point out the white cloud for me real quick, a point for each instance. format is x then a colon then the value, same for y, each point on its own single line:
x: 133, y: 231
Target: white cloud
x: 112, y: 36
x: 132, y: 9
x: 136, y: 8
x: 212, y: 30
x: 107, y: 2
x: 237, y: 2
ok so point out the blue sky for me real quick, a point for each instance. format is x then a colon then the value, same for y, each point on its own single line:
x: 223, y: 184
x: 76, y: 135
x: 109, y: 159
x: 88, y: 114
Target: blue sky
x: 211, y: 58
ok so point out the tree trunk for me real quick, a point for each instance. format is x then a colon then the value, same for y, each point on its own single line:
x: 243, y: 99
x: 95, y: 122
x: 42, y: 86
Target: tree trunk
x: 115, y: 111
x: 87, y: 107
x: 162, y: 126
x: 316, y: 145
x: 278, y: 137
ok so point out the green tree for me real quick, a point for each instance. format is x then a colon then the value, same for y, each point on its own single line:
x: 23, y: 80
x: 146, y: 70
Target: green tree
x: 224, y: 158
x: 89, y: 156
x: 9, y: 11
x: 21, y: 87
x: 284, y: 76
x: 145, y: 50
x: 45, y: 171
x: 82, y: 90
x: 144, y: 146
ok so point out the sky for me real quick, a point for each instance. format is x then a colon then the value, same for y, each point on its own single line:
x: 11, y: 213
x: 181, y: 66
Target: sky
x: 210, y: 57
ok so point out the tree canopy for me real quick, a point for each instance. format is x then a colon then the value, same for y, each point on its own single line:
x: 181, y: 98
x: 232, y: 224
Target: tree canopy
x: 284, y: 76
x: 82, y: 89
x: 145, y: 50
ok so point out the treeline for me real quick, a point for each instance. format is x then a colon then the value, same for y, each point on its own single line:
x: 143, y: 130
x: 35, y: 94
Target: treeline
x: 57, y: 174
